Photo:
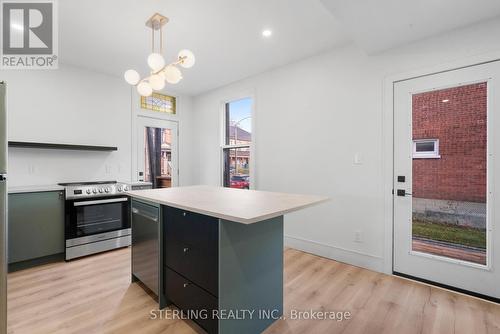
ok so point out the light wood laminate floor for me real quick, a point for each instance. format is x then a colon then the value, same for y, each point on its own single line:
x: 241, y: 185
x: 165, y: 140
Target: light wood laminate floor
x: 94, y: 295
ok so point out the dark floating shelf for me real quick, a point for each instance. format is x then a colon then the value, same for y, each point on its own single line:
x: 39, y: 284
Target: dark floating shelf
x: 54, y: 146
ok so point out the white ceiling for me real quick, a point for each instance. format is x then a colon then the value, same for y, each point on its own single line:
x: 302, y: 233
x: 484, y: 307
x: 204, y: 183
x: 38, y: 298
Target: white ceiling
x: 377, y: 25
x: 225, y: 35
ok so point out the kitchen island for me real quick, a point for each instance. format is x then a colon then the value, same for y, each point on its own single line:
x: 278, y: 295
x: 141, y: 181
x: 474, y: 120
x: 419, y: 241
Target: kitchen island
x: 220, y: 252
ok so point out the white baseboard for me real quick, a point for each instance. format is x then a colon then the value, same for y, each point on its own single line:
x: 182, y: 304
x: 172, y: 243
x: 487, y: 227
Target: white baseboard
x: 360, y: 259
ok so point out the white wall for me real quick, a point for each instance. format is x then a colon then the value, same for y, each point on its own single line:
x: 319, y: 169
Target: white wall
x: 311, y: 118
x: 74, y: 106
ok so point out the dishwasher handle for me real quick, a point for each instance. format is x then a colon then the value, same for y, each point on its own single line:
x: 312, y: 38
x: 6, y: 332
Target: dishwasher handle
x: 136, y: 211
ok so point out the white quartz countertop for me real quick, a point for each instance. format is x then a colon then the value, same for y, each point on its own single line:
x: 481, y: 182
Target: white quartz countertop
x: 239, y: 205
x: 139, y: 183
x: 34, y: 189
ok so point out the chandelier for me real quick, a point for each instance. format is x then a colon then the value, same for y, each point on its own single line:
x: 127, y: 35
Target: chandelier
x: 159, y: 70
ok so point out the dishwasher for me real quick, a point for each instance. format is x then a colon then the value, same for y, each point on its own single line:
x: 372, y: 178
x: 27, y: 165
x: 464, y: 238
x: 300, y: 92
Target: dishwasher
x: 145, y: 244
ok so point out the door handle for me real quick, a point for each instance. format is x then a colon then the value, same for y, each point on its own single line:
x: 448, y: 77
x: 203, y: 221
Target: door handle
x: 402, y: 192
x: 101, y: 201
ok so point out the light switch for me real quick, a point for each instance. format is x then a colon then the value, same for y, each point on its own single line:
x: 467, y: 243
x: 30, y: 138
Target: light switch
x: 358, y: 236
x: 358, y: 159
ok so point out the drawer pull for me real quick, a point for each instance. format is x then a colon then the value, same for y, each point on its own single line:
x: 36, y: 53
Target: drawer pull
x: 186, y: 249
x: 184, y: 214
x: 186, y: 285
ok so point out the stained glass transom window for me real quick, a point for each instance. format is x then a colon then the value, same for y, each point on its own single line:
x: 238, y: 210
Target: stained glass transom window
x: 159, y: 102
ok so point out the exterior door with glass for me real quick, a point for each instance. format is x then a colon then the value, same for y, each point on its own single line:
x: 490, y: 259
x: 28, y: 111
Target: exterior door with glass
x: 157, y: 152
x: 446, y: 224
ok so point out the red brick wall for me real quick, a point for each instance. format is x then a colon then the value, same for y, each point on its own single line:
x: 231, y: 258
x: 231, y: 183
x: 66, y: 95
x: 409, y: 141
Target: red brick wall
x: 460, y: 126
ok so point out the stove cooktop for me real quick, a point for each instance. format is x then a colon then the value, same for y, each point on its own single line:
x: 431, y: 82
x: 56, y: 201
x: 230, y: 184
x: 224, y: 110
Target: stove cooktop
x: 89, y: 183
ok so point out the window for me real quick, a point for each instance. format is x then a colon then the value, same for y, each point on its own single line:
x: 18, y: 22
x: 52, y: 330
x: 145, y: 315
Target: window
x: 159, y: 102
x: 236, y: 143
x: 426, y: 149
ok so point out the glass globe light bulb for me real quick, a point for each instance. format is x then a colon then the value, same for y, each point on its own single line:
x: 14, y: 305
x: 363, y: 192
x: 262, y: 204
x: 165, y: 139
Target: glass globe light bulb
x: 188, y: 57
x: 132, y: 77
x: 156, y: 61
x: 144, y: 88
x: 157, y: 81
x: 172, y: 74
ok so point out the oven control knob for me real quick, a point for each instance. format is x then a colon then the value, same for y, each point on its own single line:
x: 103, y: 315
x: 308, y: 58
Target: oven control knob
x: 88, y: 191
x: 125, y: 188
x: 120, y: 188
x: 94, y: 191
x: 101, y: 190
x: 106, y: 190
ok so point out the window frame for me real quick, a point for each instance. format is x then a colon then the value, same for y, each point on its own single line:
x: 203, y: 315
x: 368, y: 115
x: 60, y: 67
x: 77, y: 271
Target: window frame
x: 426, y: 154
x: 224, y: 147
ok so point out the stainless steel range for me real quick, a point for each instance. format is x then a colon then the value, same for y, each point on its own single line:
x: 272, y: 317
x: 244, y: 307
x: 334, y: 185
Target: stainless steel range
x: 97, y: 217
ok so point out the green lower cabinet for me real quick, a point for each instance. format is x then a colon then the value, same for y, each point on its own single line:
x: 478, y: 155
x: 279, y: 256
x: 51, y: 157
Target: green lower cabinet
x: 35, y: 226
x: 229, y: 273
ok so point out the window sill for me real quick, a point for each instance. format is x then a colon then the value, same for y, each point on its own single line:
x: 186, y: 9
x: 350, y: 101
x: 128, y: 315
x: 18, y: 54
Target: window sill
x: 427, y: 157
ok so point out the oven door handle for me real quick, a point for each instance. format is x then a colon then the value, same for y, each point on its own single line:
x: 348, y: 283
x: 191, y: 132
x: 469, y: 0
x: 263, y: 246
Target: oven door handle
x: 101, y: 201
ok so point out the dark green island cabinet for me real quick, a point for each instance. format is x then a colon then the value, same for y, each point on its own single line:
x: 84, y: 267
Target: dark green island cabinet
x: 221, y: 264
x: 35, y: 228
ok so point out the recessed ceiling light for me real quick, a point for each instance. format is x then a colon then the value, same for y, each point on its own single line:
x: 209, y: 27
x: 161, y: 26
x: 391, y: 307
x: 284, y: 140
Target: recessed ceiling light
x: 267, y: 33
x: 445, y: 100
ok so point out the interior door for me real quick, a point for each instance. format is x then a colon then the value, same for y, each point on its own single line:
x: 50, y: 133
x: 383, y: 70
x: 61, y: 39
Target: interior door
x: 446, y: 224
x: 157, y: 152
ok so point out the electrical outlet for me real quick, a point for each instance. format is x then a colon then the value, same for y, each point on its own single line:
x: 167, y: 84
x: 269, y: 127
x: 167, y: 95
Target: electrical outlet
x: 358, y: 236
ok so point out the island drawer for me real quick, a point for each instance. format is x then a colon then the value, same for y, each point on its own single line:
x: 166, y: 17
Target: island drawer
x: 189, y: 297
x: 191, y: 227
x: 191, y: 247
x: 200, y: 265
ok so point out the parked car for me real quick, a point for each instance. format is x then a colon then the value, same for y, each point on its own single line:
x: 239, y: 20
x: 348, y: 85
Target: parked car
x: 240, y: 181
